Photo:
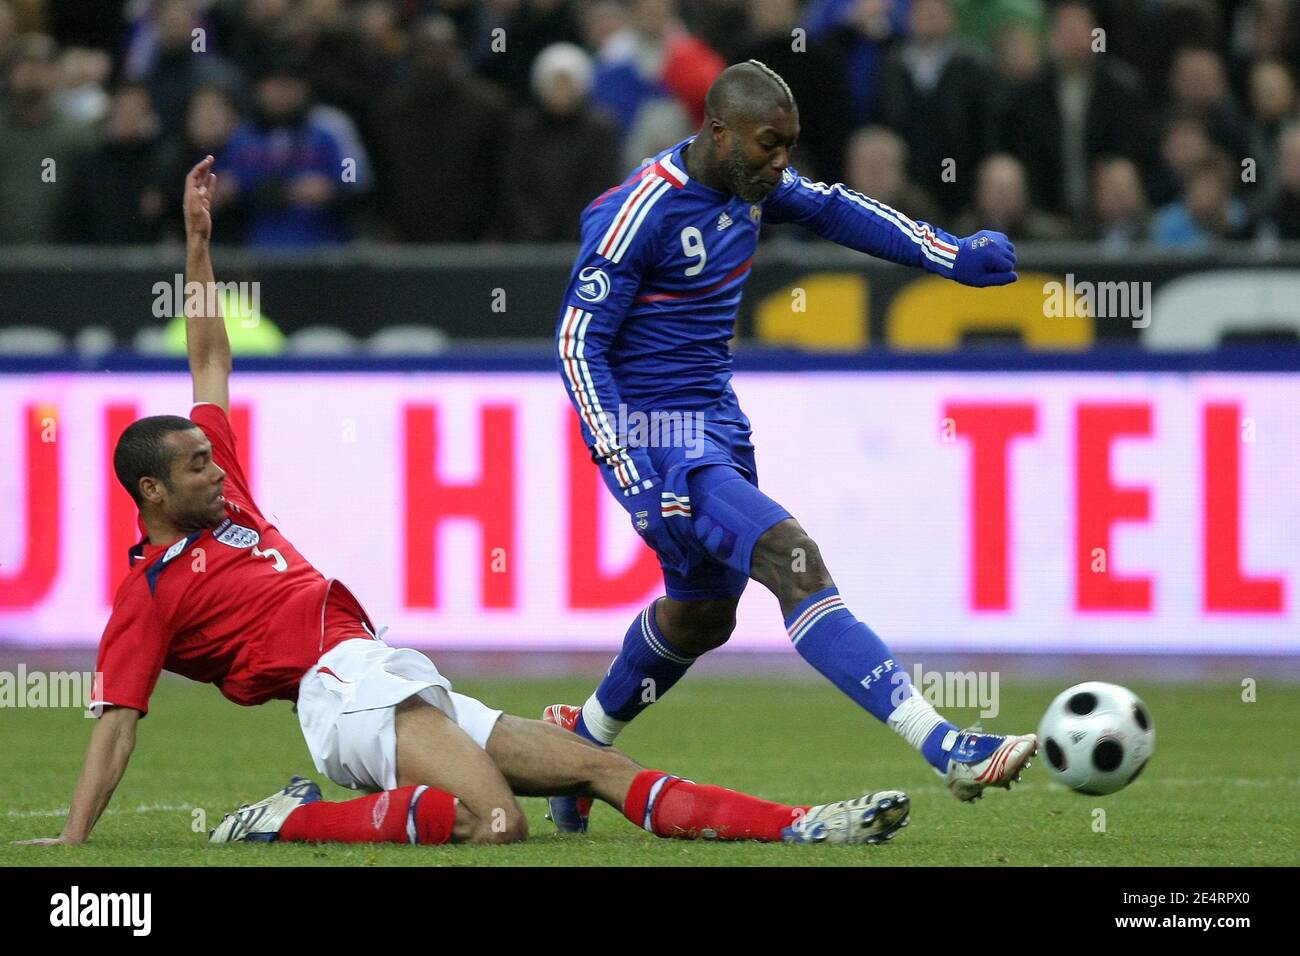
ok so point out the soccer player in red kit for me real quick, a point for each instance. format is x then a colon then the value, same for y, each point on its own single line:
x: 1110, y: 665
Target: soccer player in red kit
x: 216, y: 593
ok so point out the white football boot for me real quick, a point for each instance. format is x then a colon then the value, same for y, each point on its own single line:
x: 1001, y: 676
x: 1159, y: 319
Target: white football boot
x: 260, y: 822
x: 979, y: 760
x: 873, y: 818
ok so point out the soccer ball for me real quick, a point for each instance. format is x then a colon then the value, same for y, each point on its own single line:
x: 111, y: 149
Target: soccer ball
x: 1096, y: 737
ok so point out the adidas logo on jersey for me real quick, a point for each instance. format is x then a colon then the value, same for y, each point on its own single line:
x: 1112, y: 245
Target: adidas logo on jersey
x: 724, y: 221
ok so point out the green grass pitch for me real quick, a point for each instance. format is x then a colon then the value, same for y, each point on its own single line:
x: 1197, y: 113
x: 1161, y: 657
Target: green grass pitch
x: 1222, y: 788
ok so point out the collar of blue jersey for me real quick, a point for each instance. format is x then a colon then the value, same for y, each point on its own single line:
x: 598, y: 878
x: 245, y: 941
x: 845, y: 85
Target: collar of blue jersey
x: 676, y: 161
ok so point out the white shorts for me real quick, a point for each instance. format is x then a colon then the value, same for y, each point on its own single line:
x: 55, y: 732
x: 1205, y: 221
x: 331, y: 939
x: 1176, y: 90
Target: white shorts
x: 346, y: 704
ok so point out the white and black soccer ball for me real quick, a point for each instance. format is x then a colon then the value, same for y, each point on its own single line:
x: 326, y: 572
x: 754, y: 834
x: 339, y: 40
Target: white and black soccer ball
x: 1096, y: 737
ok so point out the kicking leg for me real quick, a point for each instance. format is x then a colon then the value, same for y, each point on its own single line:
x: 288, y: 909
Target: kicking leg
x: 849, y: 654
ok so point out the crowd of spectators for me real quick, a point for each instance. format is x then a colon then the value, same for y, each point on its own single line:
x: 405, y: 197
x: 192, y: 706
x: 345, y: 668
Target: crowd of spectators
x: 1114, y: 121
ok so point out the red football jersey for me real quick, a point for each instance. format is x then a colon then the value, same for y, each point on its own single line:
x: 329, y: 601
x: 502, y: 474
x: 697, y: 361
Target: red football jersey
x: 235, y: 605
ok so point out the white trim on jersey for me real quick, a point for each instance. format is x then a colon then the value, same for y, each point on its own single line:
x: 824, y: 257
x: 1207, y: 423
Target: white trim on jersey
x: 624, y: 214
x: 618, y: 237
x: 673, y: 169
x: 932, y: 247
x: 573, y: 361
x: 586, y: 410
x: 926, y: 236
x: 619, y: 453
x: 642, y: 211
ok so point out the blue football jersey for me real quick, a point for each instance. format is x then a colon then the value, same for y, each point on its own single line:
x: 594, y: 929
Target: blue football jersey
x: 652, y: 299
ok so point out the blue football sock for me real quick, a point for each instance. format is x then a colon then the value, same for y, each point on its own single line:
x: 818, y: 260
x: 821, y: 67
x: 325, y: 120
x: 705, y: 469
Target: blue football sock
x: 646, y: 668
x: 854, y: 659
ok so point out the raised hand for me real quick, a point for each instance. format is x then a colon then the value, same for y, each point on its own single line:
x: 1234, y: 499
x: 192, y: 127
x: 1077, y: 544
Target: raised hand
x: 200, y: 185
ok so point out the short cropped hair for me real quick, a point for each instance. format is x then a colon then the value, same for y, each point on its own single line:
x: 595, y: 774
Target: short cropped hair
x: 142, y: 451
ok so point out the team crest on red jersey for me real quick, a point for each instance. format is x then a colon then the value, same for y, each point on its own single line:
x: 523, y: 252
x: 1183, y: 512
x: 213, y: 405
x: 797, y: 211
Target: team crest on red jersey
x: 235, y: 535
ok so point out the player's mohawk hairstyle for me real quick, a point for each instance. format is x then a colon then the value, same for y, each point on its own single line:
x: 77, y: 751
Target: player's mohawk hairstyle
x: 776, y: 78
x: 747, y: 90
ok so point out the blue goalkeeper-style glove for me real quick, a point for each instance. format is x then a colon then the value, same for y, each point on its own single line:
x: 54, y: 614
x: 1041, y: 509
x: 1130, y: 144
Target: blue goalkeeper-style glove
x: 649, y: 522
x: 984, y: 259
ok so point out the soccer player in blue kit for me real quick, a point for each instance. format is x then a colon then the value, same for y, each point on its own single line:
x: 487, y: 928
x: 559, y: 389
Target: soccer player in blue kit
x: 646, y: 319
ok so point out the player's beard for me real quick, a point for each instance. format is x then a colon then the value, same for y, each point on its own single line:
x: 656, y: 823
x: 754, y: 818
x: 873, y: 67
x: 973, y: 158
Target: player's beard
x: 744, y: 179
x: 199, y: 521
x: 202, y: 517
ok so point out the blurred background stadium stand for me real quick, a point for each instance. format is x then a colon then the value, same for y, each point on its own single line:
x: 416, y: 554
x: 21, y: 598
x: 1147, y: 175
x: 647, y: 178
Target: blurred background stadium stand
x: 369, y: 299
x: 381, y: 161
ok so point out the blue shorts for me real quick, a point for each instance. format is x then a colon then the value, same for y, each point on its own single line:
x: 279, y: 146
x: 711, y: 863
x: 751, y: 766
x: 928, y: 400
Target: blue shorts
x: 722, y: 516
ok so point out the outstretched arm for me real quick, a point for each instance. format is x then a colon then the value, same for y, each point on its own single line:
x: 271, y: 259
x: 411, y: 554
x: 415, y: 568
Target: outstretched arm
x: 110, y: 748
x: 206, y: 341
x: 851, y: 219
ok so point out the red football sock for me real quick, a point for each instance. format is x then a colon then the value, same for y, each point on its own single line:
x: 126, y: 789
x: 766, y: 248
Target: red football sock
x: 405, y: 815
x: 686, y: 810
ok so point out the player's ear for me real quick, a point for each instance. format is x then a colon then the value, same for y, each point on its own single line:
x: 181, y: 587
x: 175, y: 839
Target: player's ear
x: 152, y: 490
x: 717, y: 131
